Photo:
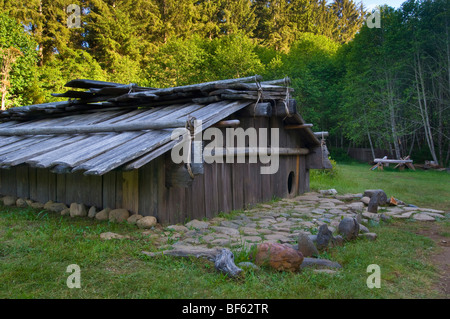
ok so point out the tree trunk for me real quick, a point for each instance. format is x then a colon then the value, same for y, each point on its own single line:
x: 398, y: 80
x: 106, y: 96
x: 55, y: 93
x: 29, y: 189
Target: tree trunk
x: 423, y: 106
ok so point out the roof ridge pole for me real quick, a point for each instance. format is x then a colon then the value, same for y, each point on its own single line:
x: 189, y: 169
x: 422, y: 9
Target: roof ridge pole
x: 86, y: 129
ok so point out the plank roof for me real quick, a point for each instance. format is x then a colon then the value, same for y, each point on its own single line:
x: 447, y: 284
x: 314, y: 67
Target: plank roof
x: 100, y: 152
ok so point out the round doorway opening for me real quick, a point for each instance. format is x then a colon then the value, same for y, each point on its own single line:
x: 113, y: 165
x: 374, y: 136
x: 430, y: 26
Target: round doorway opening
x: 291, y: 182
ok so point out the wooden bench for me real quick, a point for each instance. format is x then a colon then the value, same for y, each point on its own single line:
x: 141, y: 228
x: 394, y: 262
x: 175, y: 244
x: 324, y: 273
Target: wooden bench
x: 401, y: 163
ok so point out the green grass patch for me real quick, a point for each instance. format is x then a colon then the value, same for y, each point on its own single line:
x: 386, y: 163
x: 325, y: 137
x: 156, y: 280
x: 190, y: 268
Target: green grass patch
x: 428, y: 189
x: 37, y: 247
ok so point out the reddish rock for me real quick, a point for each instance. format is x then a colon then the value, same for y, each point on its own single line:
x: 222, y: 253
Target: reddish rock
x: 278, y: 256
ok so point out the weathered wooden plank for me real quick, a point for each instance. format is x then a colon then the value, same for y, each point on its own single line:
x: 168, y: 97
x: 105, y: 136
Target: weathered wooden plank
x: 147, y: 194
x: 32, y: 176
x: 195, y: 199
x: 160, y: 187
x: 119, y: 189
x: 22, y: 181
x: 209, y: 115
x: 109, y: 190
x: 48, y: 158
x: 94, y: 195
x: 304, y: 176
x: 8, y: 182
x: 237, y: 172
x: 18, y: 145
x: 131, y: 191
x: 61, y: 188
x: 52, y: 186
x: 224, y: 188
x: 38, y: 148
x: 276, y: 180
x: 77, y: 157
x: 124, y: 153
x: 86, y: 129
x: 42, y: 184
x: 175, y: 205
x: 211, y: 193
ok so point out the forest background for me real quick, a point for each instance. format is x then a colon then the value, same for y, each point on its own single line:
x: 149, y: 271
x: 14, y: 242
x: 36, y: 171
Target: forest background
x: 381, y: 86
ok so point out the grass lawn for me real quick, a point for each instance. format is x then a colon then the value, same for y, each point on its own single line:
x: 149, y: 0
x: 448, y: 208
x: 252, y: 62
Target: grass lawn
x: 36, y: 247
x: 428, y: 189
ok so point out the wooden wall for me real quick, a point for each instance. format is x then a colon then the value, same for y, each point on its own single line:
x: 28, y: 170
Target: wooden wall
x: 222, y: 187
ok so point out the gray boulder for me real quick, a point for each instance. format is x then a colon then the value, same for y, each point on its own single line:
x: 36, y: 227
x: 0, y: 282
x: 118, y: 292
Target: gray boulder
x: 349, y: 228
x: 306, y: 245
x: 319, y: 263
x: 92, y: 212
x: 324, y: 237
x: 118, y: 215
x: 9, y: 200
x: 379, y: 194
x: 78, y: 210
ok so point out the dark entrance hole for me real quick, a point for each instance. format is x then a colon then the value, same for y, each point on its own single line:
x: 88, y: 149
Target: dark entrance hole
x: 290, y: 182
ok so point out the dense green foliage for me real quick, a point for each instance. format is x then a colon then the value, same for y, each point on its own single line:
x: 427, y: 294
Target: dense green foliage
x: 382, y: 87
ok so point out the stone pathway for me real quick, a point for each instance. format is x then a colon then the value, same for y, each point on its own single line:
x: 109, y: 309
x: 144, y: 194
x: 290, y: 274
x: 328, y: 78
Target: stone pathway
x: 282, y: 221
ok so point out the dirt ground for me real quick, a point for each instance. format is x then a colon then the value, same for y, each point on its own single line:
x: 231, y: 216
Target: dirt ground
x: 441, y: 258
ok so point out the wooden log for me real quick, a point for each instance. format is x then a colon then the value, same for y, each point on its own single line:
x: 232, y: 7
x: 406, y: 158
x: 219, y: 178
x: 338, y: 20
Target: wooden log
x: 208, y: 99
x: 384, y: 161
x: 74, y: 94
x: 86, y: 129
x: 87, y: 84
x: 257, y: 110
x: 321, y: 134
x: 224, y: 262
x: 248, y: 151
x: 297, y: 127
x: 228, y: 123
x: 283, y: 109
x: 286, y: 82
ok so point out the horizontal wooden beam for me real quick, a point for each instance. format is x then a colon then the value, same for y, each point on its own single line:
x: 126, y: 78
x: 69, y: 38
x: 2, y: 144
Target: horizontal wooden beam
x: 86, y: 129
x: 228, y: 123
x: 283, y: 109
x: 321, y: 134
x: 257, y: 110
x: 387, y: 161
x: 246, y: 151
x: 297, y: 127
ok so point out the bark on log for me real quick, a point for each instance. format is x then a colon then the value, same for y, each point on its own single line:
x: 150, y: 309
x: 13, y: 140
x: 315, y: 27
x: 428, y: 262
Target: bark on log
x: 385, y: 161
x: 86, y: 129
x: 217, y: 153
x: 283, y: 109
x: 228, y: 123
x: 223, y: 258
x: 297, y: 127
x: 321, y: 134
x: 260, y: 110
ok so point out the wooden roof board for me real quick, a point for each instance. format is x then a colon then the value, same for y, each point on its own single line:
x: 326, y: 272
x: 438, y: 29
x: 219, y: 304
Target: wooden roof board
x: 77, y: 157
x: 98, y: 153
x: 39, y: 147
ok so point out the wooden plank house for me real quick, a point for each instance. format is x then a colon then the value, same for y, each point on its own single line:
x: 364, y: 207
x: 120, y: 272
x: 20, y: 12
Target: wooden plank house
x: 109, y: 145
